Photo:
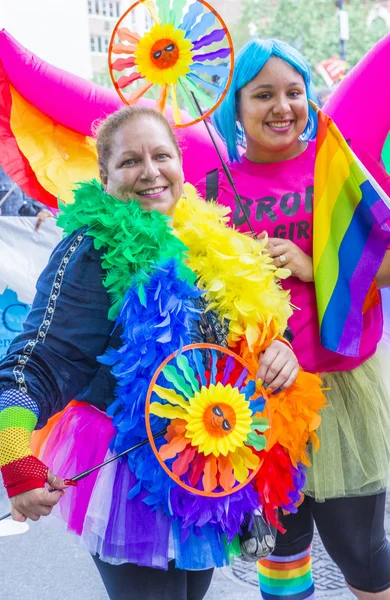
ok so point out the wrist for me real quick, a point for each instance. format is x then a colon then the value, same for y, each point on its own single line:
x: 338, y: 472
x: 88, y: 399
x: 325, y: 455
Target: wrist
x: 309, y: 278
x: 24, y: 475
x: 284, y: 341
x: 309, y: 275
x: 27, y: 486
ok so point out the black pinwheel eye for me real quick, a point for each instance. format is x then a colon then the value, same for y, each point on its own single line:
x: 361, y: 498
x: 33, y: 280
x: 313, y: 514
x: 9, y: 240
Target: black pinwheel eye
x: 169, y: 48
x: 157, y: 54
x: 226, y: 425
x: 217, y: 411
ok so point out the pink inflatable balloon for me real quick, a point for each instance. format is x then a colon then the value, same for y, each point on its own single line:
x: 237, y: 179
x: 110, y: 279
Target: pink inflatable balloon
x: 77, y: 103
x: 360, y: 104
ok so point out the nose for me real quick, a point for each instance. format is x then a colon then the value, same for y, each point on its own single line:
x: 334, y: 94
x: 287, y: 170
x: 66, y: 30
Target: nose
x: 150, y: 170
x: 281, y: 106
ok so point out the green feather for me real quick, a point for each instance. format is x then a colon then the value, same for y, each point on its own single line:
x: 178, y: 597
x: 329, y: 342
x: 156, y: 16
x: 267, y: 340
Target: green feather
x: 135, y: 240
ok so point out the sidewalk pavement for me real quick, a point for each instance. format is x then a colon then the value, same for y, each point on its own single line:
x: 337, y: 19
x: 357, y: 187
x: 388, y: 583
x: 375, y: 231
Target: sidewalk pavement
x: 240, y: 581
x: 46, y: 559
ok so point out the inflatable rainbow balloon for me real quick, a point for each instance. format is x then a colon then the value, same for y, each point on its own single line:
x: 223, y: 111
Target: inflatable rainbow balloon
x: 46, y: 126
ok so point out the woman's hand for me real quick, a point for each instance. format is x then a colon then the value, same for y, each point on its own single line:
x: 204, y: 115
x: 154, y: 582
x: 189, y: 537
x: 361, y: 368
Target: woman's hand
x: 39, y: 502
x: 278, y: 366
x: 41, y: 217
x: 299, y: 263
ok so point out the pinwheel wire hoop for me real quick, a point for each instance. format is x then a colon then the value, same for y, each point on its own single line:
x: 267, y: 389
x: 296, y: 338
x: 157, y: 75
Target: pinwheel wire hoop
x: 214, y: 411
x: 184, y: 51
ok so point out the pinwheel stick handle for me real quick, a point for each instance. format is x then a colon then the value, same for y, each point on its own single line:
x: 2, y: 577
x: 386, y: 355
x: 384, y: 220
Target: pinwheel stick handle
x: 224, y: 166
x: 103, y: 464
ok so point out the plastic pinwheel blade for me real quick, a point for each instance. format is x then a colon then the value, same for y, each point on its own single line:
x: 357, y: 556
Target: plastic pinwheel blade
x: 212, y: 409
x: 170, y: 52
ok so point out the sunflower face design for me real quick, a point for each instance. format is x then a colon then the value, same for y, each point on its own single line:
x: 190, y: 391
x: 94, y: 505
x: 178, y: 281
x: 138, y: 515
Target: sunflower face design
x: 163, y: 55
x: 218, y: 420
x: 215, y: 419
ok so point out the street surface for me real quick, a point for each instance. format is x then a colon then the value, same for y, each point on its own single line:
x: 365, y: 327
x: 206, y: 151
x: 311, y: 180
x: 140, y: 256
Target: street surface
x: 46, y: 563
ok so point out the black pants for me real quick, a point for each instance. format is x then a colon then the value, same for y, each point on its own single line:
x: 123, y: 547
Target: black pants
x: 352, y: 531
x: 130, y: 582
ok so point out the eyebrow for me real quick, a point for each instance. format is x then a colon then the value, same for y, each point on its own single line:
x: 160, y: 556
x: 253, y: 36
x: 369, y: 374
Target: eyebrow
x: 135, y: 152
x: 269, y: 86
x: 162, y: 147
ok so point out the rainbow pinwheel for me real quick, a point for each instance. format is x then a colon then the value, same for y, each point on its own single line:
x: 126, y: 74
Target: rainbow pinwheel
x: 180, y: 54
x: 214, y: 429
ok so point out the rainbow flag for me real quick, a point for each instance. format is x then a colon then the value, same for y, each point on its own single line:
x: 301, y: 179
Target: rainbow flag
x: 350, y: 238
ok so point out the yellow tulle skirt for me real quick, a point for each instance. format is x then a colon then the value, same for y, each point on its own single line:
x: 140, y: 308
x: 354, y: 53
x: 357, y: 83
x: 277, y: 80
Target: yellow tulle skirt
x: 354, y: 454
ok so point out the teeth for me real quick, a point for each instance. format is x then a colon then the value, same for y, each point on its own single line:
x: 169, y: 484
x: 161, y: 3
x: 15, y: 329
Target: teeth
x: 280, y: 125
x: 152, y: 191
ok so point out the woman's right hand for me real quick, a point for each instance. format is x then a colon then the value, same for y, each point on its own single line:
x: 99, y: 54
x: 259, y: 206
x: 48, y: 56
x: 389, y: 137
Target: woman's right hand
x: 287, y: 255
x: 39, y: 502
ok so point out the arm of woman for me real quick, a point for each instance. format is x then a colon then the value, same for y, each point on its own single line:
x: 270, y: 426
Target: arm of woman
x: 383, y: 275
x: 49, y: 363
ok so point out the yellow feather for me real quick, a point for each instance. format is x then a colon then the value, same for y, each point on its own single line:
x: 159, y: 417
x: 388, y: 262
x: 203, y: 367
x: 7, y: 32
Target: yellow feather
x: 237, y: 274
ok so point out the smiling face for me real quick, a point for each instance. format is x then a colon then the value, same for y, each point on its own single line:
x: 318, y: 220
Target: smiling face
x: 144, y: 164
x: 164, y: 54
x: 273, y: 110
x: 220, y: 419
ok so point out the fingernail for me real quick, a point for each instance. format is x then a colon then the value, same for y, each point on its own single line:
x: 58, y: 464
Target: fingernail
x: 70, y: 482
x: 265, y: 385
x: 277, y: 391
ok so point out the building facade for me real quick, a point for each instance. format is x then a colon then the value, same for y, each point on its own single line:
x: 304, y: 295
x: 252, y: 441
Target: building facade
x: 102, y: 18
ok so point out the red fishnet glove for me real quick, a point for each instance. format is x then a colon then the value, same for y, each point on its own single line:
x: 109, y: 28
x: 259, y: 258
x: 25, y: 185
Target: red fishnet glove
x: 25, y: 474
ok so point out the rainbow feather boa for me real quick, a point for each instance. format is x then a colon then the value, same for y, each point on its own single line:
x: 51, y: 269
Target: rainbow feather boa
x: 151, y: 273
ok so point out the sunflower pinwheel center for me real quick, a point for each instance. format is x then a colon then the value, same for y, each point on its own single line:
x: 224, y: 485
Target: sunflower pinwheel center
x: 164, y: 53
x: 219, y: 419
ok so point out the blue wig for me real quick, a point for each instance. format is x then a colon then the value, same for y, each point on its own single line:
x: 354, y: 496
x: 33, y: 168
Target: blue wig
x: 249, y: 61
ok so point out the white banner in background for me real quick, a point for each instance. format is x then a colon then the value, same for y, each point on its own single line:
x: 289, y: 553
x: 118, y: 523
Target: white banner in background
x: 24, y: 253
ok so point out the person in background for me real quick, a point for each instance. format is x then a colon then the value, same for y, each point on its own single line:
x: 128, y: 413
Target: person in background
x: 14, y: 202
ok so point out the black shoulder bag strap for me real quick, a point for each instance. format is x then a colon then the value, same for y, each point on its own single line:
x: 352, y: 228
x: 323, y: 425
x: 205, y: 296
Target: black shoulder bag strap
x: 212, y: 184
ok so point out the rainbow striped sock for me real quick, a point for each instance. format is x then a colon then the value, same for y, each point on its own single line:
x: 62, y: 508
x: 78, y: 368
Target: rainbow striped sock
x: 287, y: 577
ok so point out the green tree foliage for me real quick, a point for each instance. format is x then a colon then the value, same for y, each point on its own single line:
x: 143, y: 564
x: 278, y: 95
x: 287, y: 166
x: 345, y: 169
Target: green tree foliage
x: 310, y: 26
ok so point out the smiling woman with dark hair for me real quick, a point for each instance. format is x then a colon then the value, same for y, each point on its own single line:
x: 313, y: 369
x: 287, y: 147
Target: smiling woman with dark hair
x: 267, y: 112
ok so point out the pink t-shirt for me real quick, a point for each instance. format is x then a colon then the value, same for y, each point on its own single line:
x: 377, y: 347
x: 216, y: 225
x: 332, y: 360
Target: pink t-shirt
x: 278, y: 197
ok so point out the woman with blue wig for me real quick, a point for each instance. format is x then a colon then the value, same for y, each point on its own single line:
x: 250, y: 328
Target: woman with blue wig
x: 267, y: 112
